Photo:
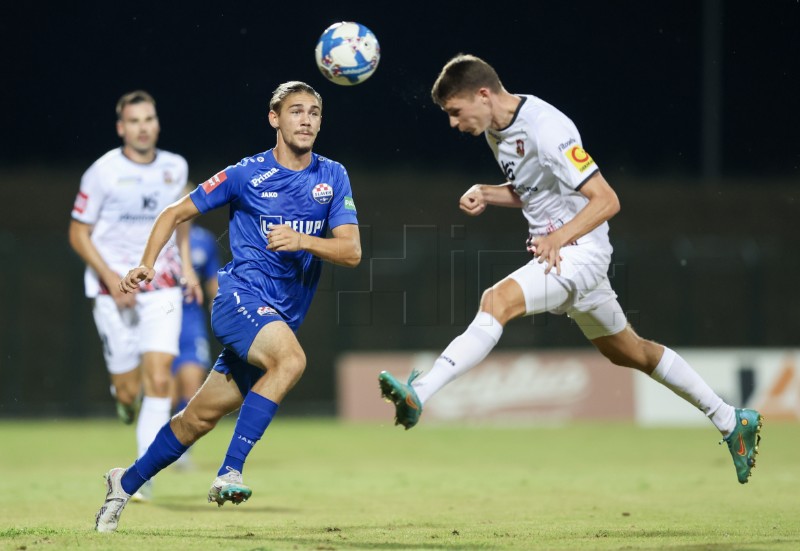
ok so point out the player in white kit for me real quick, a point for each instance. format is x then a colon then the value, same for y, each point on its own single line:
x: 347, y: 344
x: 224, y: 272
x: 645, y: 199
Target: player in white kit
x: 120, y: 196
x: 567, y: 203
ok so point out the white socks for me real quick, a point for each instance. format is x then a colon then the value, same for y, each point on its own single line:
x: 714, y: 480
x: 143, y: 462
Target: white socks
x: 465, y: 352
x: 153, y: 415
x: 677, y: 375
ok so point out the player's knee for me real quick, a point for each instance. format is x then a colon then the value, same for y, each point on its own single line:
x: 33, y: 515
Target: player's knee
x: 158, y: 384
x: 293, y: 365
x: 493, y: 302
x: 195, y: 423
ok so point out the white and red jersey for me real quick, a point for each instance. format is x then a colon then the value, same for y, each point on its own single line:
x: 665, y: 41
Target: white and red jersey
x: 122, y: 199
x: 541, y: 155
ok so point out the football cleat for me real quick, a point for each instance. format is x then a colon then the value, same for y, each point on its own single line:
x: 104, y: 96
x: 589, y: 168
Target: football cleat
x: 407, y: 405
x: 743, y: 442
x: 229, y: 487
x: 107, y: 517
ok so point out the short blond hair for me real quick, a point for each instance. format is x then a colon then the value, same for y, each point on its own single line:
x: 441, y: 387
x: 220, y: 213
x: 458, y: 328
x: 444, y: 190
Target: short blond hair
x: 288, y: 88
x: 132, y: 98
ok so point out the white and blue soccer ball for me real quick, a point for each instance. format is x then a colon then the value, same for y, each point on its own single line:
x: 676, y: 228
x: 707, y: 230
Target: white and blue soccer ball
x: 347, y: 53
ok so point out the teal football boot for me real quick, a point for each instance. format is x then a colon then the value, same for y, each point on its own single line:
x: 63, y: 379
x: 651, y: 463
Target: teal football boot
x: 407, y: 405
x: 743, y: 442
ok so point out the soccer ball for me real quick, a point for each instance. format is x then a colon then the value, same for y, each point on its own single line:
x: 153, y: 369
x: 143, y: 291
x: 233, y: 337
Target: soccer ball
x: 347, y: 53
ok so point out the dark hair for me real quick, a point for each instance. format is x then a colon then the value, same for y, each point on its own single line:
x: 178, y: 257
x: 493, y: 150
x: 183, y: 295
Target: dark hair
x: 132, y: 98
x: 464, y: 73
x: 288, y: 88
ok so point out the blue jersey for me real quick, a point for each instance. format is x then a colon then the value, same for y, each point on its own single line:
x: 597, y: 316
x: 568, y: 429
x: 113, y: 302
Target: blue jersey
x: 261, y: 192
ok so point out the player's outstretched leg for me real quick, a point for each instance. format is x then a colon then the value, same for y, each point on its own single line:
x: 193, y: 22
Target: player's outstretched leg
x: 229, y: 487
x: 107, y: 517
x: 407, y: 405
x: 743, y: 442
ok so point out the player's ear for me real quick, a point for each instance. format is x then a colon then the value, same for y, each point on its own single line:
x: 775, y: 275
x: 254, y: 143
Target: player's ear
x: 273, y: 119
x: 120, y: 129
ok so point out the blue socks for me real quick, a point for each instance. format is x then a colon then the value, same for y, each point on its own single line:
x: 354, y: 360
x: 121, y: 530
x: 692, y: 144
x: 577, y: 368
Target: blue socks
x: 254, y: 418
x: 164, y: 450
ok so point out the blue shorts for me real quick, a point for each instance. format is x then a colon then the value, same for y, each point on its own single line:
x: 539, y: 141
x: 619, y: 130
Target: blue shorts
x: 236, y: 318
x: 194, y: 345
x: 243, y: 374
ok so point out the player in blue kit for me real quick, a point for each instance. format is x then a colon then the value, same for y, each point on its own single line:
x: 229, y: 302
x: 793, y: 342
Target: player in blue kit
x: 193, y: 362
x: 282, y: 204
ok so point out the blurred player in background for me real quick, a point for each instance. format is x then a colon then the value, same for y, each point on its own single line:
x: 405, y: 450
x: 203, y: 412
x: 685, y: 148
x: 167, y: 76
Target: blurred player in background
x: 567, y: 203
x: 190, y: 368
x: 120, y: 196
x: 282, y: 203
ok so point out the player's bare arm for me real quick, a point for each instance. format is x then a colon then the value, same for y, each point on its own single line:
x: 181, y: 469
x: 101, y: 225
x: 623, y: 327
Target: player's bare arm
x: 479, y: 196
x: 81, y: 241
x: 344, y: 248
x: 166, y: 223
x: 603, y: 204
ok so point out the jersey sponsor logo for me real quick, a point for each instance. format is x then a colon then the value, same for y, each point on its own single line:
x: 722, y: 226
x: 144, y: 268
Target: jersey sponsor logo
x: 579, y: 158
x: 349, y: 204
x: 150, y: 202
x: 508, y: 169
x: 266, y: 311
x: 269, y: 194
x: 310, y: 227
x: 80, y: 202
x: 213, y: 183
x: 322, y: 193
x: 566, y: 144
x: 521, y: 148
x: 262, y: 177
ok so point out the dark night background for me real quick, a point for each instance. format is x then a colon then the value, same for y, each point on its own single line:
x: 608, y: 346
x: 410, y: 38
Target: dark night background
x: 688, y: 107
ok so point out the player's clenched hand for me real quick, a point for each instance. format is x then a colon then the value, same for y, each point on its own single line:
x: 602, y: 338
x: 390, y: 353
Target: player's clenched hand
x: 473, y: 202
x: 283, y: 238
x: 133, y: 278
x: 547, y: 248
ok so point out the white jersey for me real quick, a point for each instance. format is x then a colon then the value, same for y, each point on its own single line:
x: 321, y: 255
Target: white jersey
x: 122, y: 199
x: 541, y: 155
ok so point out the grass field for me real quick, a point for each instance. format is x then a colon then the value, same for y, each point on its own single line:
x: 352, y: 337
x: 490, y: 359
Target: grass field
x: 323, y: 485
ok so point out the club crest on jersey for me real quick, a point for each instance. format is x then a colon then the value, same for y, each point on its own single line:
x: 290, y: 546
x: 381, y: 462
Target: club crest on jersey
x: 521, y: 148
x: 322, y: 193
x: 168, y: 179
x: 266, y: 311
x: 579, y: 158
x: 213, y: 183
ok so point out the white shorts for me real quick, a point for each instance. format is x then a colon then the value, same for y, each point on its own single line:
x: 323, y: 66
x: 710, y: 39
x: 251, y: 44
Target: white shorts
x: 582, y: 291
x: 153, y: 325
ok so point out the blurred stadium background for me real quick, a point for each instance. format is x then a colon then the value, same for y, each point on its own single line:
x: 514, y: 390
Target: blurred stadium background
x: 687, y: 106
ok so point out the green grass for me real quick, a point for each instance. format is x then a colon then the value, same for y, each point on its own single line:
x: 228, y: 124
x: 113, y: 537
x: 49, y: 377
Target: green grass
x: 323, y: 485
